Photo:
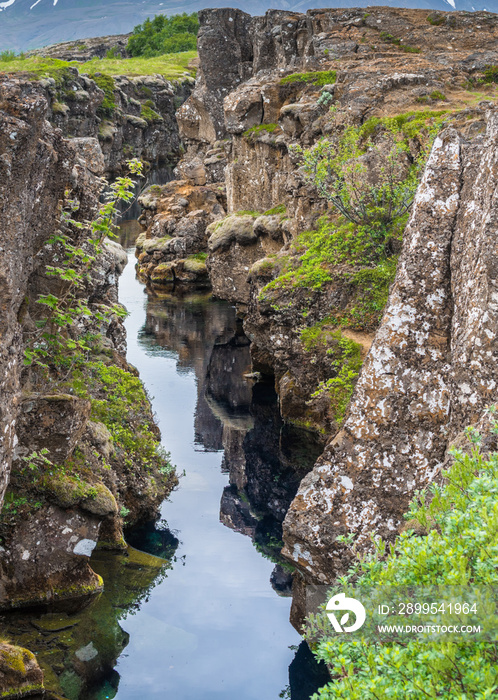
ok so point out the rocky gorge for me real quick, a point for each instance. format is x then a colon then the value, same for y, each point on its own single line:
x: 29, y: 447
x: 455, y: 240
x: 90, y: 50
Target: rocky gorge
x: 386, y: 360
x: 425, y: 343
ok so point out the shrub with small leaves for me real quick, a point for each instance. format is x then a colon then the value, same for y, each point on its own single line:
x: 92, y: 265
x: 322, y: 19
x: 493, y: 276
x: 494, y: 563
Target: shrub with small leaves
x: 459, y: 549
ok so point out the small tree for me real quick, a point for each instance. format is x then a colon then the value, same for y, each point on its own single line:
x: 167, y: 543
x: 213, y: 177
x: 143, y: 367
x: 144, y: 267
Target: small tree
x: 370, y: 184
x: 75, y: 246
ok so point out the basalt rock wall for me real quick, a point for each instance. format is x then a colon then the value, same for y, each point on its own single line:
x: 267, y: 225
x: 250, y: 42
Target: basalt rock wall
x: 132, y: 117
x: 57, y: 508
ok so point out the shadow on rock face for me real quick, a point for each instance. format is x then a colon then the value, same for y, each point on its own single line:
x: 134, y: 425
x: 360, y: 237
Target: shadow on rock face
x: 78, y: 652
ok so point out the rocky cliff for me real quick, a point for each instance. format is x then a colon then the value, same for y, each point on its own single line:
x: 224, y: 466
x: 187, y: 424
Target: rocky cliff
x: 316, y: 311
x: 132, y: 117
x: 67, y: 475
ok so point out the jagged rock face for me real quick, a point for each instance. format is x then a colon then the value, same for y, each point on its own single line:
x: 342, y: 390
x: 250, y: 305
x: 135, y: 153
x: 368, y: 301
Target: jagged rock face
x: 176, y: 219
x: 46, y: 555
x: 35, y: 158
x: 243, y: 58
x: 225, y: 49
x: 431, y: 369
x: 137, y: 121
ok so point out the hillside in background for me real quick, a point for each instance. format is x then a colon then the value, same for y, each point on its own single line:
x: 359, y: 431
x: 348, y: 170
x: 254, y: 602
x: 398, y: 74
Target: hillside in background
x: 28, y: 24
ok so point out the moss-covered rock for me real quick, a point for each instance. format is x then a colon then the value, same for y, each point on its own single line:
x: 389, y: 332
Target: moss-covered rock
x: 163, y: 273
x: 20, y: 675
x: 239, y: 229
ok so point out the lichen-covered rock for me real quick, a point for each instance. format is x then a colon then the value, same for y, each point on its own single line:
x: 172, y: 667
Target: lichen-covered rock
x: 20, y: 674
x: 235, y: 244
x: 54, y: 423
x: 233, y: 229
x: 431, y: 369
x: 46, y: 558
x: 176, y: 217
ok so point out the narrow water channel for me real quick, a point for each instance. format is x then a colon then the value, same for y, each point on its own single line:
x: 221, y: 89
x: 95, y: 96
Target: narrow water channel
x: 214, y: 628
x: 198, y: 608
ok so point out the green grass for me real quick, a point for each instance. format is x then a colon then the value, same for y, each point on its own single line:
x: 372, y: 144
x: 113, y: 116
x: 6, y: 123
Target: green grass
x: 171, y: 66
x: 318, y: 78
x: 279, y: 209
x: 254, y: 130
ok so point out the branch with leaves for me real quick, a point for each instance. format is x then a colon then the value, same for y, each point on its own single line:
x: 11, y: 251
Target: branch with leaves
x: 76, y: 246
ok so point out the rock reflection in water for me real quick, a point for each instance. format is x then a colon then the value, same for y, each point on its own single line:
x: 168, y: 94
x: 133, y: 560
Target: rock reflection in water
x: 187, y: 326
x: 264, y: 458
x: 78, y: 650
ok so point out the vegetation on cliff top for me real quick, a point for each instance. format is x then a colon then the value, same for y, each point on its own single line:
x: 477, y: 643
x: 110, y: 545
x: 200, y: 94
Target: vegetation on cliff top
x: 172, y: 66
x: 459, y: 548
x: 163, y: 35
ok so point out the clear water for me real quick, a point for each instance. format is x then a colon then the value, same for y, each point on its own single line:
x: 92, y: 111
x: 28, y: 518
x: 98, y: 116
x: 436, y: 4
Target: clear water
x: 190, y: 612
x: 214, y: 628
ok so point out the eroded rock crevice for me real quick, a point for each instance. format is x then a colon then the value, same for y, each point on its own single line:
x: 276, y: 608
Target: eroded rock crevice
x: 66, y: 478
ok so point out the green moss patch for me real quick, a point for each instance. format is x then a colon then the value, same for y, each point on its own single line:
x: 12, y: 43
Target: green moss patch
x: 121, y: 404
x: 107, y: 84
x: 346, y: 360
x: 259, y: 128
x: 317, y: 78
x: 148, y: 113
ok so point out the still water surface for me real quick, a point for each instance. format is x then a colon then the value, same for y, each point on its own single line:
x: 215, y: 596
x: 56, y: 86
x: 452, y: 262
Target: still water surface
x: 190, y: 613
x: 214, y: 628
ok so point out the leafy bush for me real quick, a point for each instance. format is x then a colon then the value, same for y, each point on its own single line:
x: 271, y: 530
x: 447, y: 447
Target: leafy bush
x: 7, y: 56
x: 56, y: 343
x: 460, y: 548
x: 490, y: 75
x: 163, y: 35
x: 371, y: 183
